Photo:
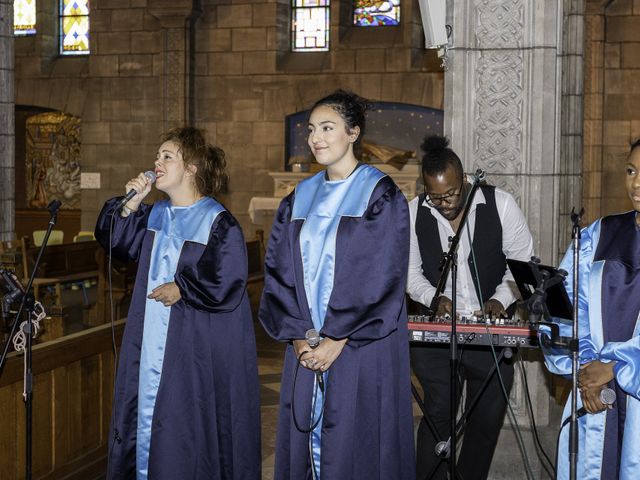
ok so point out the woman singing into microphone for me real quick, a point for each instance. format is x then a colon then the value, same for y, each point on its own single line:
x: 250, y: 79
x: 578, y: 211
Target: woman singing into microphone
x: 186, y: 403
x: 609, y: 326
x: 337, y: 263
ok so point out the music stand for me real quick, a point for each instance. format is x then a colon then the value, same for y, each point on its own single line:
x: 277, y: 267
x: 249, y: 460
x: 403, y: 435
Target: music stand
x: 527, y: 279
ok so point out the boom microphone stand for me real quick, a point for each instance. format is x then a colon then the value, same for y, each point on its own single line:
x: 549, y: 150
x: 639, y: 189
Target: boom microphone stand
x: 450, y: 260
x: 28, y: 301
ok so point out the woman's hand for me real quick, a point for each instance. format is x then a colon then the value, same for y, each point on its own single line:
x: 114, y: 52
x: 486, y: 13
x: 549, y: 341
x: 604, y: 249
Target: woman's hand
x: 140, y: 184
x: 322, y: 357
x: 591, y: 400
x: 595, y: 374
x: 300, y: 346
x: 167, y: 293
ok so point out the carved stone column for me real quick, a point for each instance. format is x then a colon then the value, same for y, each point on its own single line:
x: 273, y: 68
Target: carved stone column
x: 513, y: 107
x: 177, y: 18
x: 7, y: 122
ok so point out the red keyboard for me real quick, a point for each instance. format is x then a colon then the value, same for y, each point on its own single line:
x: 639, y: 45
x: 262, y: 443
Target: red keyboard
x: 472, y: 331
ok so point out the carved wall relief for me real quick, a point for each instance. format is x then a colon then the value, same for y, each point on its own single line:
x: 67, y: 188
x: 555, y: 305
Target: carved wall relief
x: 53, y: 160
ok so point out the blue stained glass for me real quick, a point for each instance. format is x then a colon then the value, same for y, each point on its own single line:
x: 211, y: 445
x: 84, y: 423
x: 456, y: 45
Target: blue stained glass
x: 376, y: 13
x: 74, y: 27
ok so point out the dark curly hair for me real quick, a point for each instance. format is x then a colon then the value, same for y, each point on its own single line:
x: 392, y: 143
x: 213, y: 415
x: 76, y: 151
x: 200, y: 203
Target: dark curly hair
x: 211, y: 174
x: 438, y: 157
x: 350, y: 106
x: 634, y: 145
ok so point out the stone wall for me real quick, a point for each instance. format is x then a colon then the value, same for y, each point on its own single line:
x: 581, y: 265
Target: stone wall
x: 612, y: 102
x: 226, y: 67
x: 6, y: 121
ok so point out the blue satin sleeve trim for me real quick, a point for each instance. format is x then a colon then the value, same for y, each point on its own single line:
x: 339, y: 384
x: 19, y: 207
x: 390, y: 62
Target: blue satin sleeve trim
x: 627, y: 368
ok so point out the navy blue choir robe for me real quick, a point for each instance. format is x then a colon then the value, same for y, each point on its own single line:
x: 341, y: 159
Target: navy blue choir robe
x: 354, y: 260
x: 609, y: 330
x: 186, y: 403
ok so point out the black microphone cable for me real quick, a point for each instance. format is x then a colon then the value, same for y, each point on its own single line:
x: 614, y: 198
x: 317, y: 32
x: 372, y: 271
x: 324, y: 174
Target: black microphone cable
x: 534, y: 427
x: 503, y: 387
x: 314, y: 422
x: 116, y: 434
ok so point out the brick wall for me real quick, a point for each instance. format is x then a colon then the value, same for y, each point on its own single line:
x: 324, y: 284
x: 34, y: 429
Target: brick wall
x: 244, y: 81
x: 612, y: 103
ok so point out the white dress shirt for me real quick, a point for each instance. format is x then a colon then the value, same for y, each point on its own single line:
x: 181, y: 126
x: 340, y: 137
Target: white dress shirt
x: 516, y: 244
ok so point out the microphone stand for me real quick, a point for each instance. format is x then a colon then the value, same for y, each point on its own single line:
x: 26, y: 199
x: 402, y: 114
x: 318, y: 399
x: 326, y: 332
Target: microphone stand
x: 538, y: 308
x: 450, y: 263
x: 573, y: 427
x: 29, y: 301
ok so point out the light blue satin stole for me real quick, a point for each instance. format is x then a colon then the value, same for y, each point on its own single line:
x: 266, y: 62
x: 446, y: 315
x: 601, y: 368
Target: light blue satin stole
x: 172, y: 226
x: 321, y: 203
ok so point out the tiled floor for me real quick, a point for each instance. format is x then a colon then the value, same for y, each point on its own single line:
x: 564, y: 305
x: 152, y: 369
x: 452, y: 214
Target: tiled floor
x: 270, y: 357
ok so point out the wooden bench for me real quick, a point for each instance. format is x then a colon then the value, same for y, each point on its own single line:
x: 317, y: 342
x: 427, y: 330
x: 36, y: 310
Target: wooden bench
x: 60, y: 264
x: 255, y: 262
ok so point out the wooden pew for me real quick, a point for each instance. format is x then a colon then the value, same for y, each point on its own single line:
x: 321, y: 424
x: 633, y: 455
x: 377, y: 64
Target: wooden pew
x: 60, y: 264
x: 72, y: 395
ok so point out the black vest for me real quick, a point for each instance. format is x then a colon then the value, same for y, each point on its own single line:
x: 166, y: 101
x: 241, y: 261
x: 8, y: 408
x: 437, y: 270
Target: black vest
x: 487, y: 245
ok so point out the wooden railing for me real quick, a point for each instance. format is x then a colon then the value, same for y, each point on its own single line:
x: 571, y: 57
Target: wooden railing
x: 72, y: 394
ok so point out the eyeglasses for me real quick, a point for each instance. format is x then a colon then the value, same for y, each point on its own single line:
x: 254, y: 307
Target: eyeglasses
x: 437, y: 200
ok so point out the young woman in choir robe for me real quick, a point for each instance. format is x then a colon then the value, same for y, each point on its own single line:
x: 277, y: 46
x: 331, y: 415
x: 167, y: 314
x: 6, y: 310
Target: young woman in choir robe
x: 609, y: 330
x: 186, y: 403
x: 337, y: 263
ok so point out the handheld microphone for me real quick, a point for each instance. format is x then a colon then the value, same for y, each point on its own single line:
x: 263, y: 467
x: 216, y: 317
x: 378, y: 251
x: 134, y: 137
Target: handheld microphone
x: 607, y: 397
x: 313, y: 339
x: 151, y: 175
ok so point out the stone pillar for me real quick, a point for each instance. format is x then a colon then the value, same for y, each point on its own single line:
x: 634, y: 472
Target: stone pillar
x: 177, y: 18
x: 7, y: 122
x: 513, y: 107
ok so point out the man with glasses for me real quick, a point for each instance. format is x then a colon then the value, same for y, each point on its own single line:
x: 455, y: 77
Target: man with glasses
x: 496, y: 230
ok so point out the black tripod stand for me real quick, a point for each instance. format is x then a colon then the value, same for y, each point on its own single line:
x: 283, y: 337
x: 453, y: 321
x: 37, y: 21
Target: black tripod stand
x: 27, y: 303
x: 446, y: 449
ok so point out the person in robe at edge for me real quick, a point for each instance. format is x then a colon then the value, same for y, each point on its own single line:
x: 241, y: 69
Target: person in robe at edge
x: 186, y: 402
x: 497, y: 230
x: 336, y: 262
x: 609, y: 352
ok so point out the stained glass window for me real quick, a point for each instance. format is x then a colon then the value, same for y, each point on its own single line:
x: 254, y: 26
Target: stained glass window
x: 24, y: 17
x: 376, y: 13
x: 309, y: 25
x: 74, y: 27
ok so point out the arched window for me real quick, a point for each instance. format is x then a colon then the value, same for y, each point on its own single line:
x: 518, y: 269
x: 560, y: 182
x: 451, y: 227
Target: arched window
x: 24, y: 17
x: 372, y: 13
x: 310, y: 25
x: 74, y: 27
